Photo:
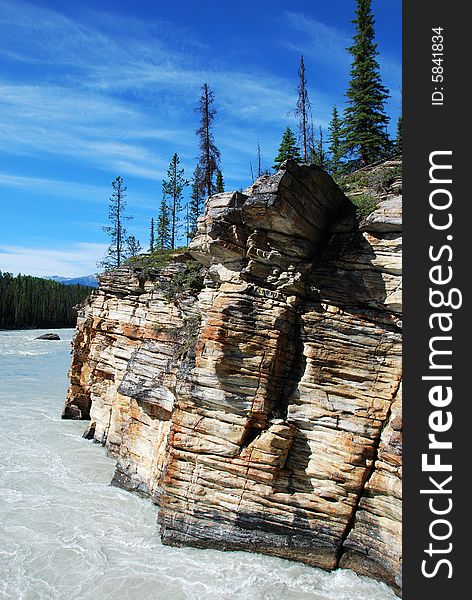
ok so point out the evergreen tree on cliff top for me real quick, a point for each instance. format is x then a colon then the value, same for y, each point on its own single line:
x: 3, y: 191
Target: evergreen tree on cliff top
x: 335, y: 143
x: 220, y: 184
x: 399, y: 141
x: 303, y: 110
x: 209, y: 158
x: 133, y: 247
x: 365, y: 119
x: 318, y: 154
x: 116, y: 252
x: 288, y: 149
x: 173, y: 188
x: 195, y: 206
x: 163, y: 227
x: 152, y: 237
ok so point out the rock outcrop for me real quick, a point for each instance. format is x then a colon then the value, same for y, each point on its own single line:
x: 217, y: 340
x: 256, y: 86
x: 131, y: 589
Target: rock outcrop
x: 253, y: 388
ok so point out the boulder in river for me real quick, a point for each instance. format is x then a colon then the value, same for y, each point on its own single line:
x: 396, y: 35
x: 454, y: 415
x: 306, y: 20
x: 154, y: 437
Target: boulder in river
x: 48, y: 336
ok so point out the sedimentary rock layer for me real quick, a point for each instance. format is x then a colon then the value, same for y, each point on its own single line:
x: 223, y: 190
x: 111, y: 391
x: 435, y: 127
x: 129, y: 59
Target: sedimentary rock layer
x: 260, y: 409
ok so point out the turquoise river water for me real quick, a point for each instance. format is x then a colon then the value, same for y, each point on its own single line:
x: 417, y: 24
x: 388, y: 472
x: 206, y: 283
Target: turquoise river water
x: 66, y: 534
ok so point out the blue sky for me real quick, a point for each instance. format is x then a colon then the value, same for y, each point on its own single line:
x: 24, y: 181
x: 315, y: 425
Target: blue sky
x: 96, y: 89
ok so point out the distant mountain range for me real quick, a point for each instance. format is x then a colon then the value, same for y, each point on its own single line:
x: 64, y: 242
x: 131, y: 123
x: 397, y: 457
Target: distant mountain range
x: 90, y: 280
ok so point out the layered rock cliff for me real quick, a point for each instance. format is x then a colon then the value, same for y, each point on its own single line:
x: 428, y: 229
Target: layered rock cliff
x: 252, y: 388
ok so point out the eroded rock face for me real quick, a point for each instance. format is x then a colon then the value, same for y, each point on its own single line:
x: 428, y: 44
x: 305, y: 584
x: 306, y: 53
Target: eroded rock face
x: 261, y: 412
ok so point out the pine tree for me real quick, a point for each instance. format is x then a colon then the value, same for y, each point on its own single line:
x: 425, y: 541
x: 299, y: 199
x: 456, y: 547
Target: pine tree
x: 163, y: 239
x: 303, y: 110
x: 318, y: 153
x: 220, y: 184
x: 209, y: 158
x: 335, y: 143
x: 253, y: 179
x: 133, y: 247
x: 259, y: 158
x: 196, y: 202
x: 152, y: 237
x: 173, y: 188
x: 365, y: 119
x: 188, y: 224
x: 117, y: 230
x: 288, y: 149
x: 399, y: 140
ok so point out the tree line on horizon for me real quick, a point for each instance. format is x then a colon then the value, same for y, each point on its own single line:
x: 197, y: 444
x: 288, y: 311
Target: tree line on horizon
x: 35, y: 303
x: 356, y: 138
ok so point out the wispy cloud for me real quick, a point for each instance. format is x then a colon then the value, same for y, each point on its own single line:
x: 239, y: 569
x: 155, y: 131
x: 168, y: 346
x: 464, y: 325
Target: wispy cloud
x: 72, y: 261
x: 113, y: 103
x: 320, y: 42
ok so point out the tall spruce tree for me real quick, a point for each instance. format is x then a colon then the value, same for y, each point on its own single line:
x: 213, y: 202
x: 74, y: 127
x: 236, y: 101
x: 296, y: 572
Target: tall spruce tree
x: 398, y: 140
x: 209, y: 158
x: 220, y: 184
x: 188, y: 224
x: 259, y: 159
x: 116, y: 252
x: 303, y: 110
x: 163, y: 227
x: 335, y: 143
x: 152, y: 237
x: 288, y: 149
x: 196, y: 202
x: 173, y: 188
x: 365, y: 119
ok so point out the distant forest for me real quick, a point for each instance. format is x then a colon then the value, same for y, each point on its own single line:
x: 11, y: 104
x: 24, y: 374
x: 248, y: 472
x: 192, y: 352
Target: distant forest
x: 32, y: 302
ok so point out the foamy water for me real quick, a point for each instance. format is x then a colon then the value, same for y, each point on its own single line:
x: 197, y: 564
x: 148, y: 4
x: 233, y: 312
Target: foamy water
x: 66, y: 534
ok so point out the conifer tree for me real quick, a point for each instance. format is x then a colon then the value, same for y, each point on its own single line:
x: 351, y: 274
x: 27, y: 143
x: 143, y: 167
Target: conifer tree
x: 318, y: 153
x: 133, y: 247
x: 303, y: 110
x: 365, y: 119
x: 335, y: 143
x: 399, y: 141
x: 173, y: 188
x: 220, y: 184
x: 163, y: 239
x: 288, y: 149
x: 209, y: 158
x: 259, y: 158
x: 188, y: 224
x: 116, y: 230
x: 196, y: 202
x: 27, y: 302
x: 252, y: 172
x: 152, y: 237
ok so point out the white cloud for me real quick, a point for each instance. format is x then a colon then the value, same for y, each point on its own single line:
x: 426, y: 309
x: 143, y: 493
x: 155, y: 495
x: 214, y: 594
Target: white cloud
x: 73, y: 260
x: 324, y: 44
x: 111, y: 102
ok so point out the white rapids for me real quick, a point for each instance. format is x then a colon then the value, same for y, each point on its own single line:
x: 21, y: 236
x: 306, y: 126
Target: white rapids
x: 66, y: 534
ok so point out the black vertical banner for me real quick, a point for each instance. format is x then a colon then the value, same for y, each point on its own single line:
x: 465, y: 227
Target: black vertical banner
x: 437, y: 198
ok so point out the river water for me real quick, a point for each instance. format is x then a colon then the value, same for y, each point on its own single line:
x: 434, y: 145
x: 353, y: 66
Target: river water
x: 66, y: 534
